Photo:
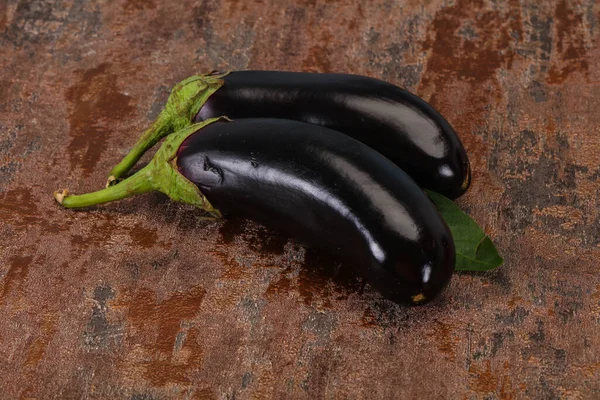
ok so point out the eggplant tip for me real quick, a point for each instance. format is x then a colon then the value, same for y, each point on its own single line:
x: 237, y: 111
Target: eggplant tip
x: 467, y: 181
x: 419, y: 298
x: 60, y: 195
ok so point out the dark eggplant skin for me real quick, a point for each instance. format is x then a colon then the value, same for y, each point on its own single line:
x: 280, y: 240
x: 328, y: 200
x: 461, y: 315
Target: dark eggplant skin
x: 400, y: 125
x: 329, y: 191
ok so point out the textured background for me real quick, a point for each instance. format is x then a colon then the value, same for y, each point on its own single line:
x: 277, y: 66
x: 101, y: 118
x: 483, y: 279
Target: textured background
x: 143, y: 300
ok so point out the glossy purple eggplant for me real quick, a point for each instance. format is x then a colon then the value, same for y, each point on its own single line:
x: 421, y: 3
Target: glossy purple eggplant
x: 329, y: 190
x: 391, y: 120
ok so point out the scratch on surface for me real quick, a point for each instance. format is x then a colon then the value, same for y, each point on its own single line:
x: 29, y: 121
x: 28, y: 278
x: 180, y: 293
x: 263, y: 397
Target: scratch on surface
x: 469, y: 338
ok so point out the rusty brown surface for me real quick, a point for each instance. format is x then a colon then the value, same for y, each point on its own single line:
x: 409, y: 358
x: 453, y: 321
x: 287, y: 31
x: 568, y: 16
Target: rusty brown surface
x: 144, y: 300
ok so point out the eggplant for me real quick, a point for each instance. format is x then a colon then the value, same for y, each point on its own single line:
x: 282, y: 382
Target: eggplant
x: 391, y: 120
x: 313, y: 183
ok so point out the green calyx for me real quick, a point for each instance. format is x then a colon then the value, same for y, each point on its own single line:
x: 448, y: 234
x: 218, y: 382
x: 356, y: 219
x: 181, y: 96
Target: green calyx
x: 160, y: 174
x: 184, y: 103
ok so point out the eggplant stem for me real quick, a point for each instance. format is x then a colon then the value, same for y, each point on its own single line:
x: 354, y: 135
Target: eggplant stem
x: 160, y: 128
x: 160, y: 174
x: 184, y: 103
x: 140, y: 182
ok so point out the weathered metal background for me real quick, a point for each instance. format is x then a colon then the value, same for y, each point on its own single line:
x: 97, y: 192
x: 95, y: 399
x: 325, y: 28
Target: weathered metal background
x: 143, y: 300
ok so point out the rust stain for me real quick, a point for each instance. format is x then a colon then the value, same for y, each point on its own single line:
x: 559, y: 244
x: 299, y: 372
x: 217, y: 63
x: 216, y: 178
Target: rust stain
x: 36, y: 351
x: 468, y: 44
x: 142, y: 237
x: 482, y: 380
x: 204, y: 394
x: 16, y: 275
x: 506, y: 389
x: 570, y: 44
x: 318, y: 58
x: 514, y: 301
x: 96, y: 103
x: 156, y: 325
x: 176, y: 368
x: 551, y: 127
x: 446, y: 343
x: 307, y: 3
x: 234, y: 272
x: 18, y: 205
x: 233, y: 269
x: 353, y: 25
x: 279, y: 286
x: 138, y: 5
x: 475, y: 59
x: 3, y: 15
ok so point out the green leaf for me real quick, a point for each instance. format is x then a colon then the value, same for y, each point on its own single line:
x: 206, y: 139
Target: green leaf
x: 474, y: 250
